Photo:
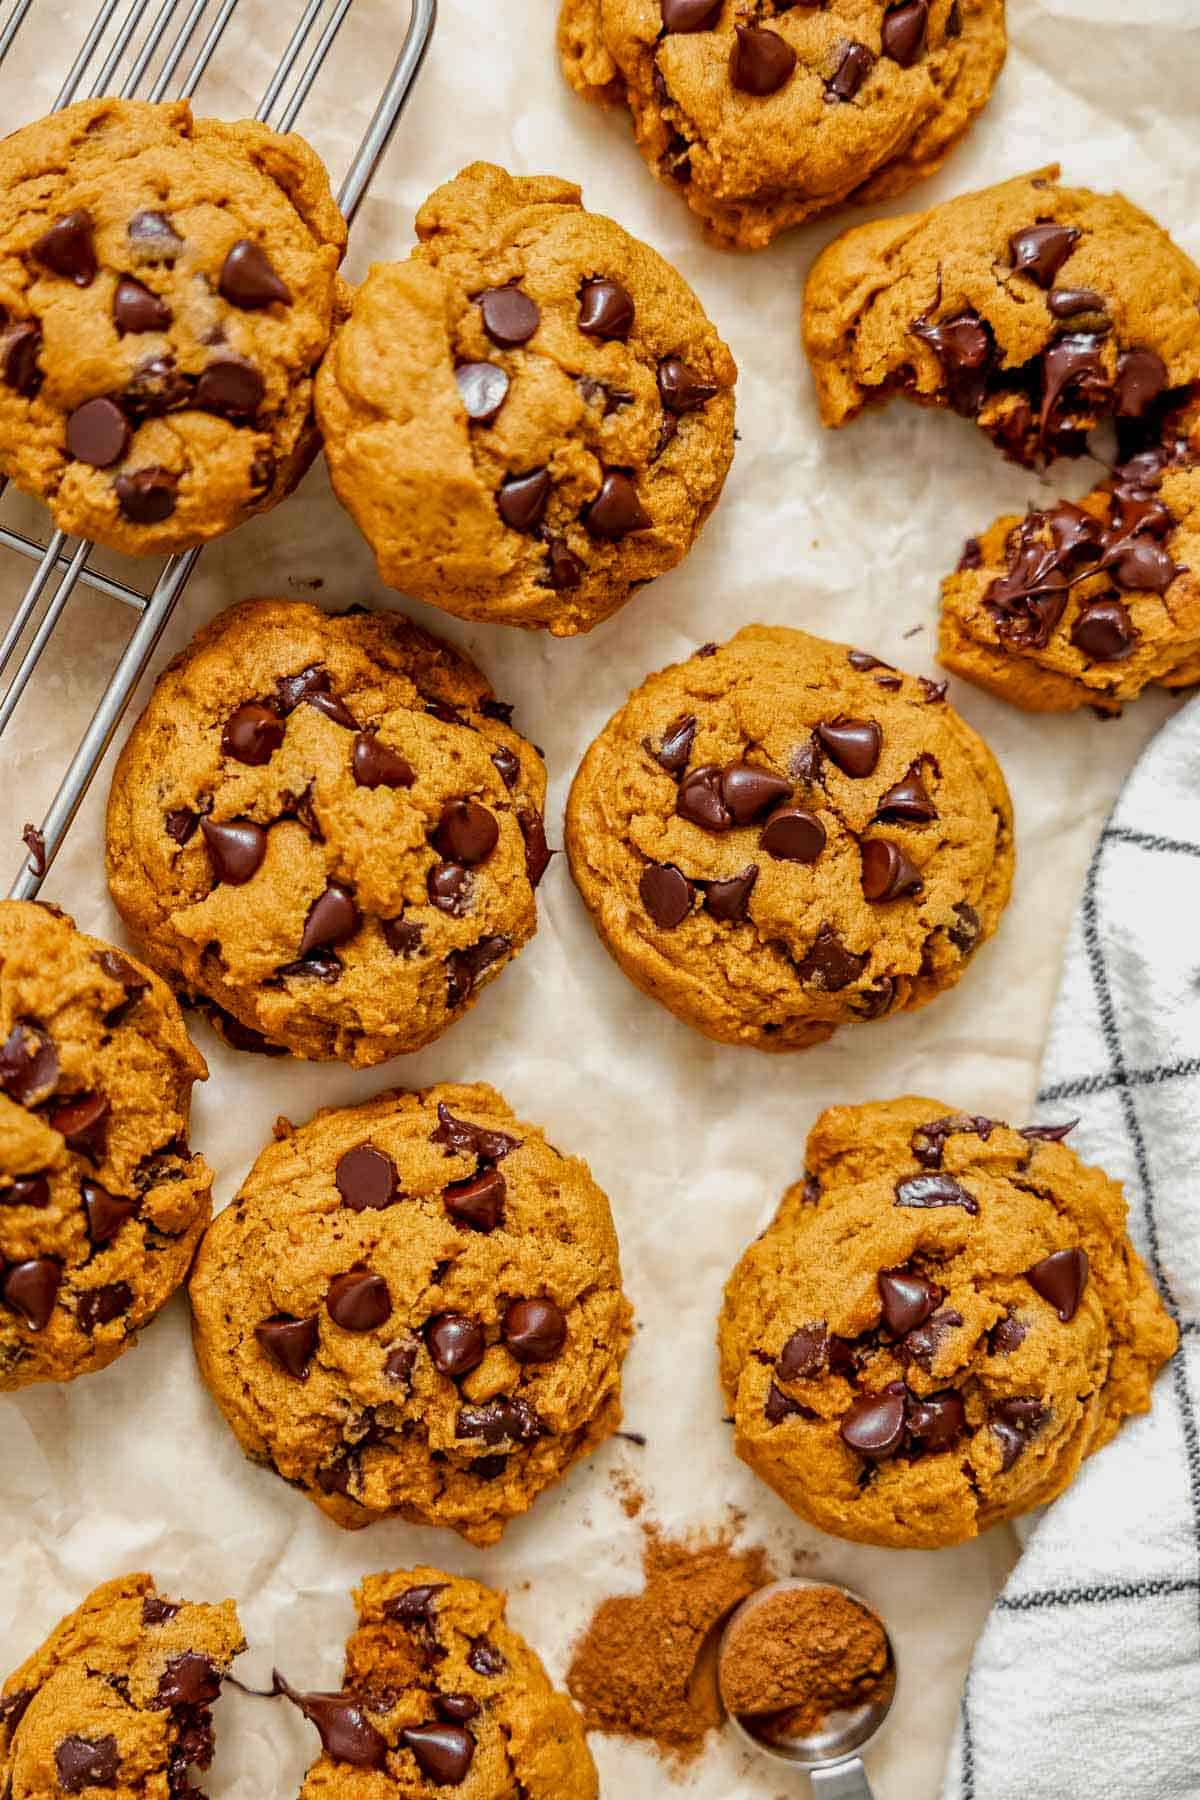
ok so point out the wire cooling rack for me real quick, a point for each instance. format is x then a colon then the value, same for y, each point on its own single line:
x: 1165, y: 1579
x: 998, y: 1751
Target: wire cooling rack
x: 158, y: 57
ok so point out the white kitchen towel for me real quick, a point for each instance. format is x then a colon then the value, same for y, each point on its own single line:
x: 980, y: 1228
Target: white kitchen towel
x: 1085, y: 1684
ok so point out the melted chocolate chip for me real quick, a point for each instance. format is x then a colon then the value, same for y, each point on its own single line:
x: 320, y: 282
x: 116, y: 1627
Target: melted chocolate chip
x: 805, y: 1353
x: 366, y: 1179
x: 402, y: 936
x: 466, y: 833
x: 934, y: 1190
x: 485, y: 1659
x: 67, y: 248
x: 1007, y: 1335
x: 252, y: 734
x: 676, y: 746
x: 680, y: 389
x: 563, y: 568
x: 666, y: 893
x: 538, y: 853
x: 81, y: 1762
x: 456, y: 1344
x: 20, y: 346
x: 443, y: 1753
x: 701, y: 801
x: 1068, y: 303
x: 908, y: 802
x: 923, y: 1344
x: 929, y: 1141
x: 501, y: 1421
x: 874, y: 1425
x: 690, y: 15
x: 1060, y: 1279
x: 464, y: 967
x: 966, y: 350
x: 616, y: 511
x: 29, y: 1190
x: 749, y: 791
x: 1014, y: 1422
x: 534, y: 1331
x: 1141, y: 378
x: 606, y: 309
x: 828, y: 965
x: 30, y: 1288
x: 728, y: 901
x: 1104, y: 631
x: 346, y: 1733
x: 522, y: 499
x: 376, y: 764
x: 359, y: 1300
x: 460, y: 1137
x: 28, y: 1064
x: 459, y: 1709
x: 478, y: 1202
x: 908, y: 1299
x: 291, y: 1342
x: 1040, y: 251
x: 154, y: 237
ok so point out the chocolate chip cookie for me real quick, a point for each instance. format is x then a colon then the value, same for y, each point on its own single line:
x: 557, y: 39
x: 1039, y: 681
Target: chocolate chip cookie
x: 781, y: 836
x: 763, y: 116
x: 101, y: 1202
x: 413, y: 1307
x: 118, y: 1698
x: 440, y: 1693
x: 944, y: 1318
x: 531, y: 417
x: 167, y: 288
x: 1041, y: 312
x: 324, y: 830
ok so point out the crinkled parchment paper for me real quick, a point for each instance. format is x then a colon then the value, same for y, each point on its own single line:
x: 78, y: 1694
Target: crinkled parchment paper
x: 845, y: 535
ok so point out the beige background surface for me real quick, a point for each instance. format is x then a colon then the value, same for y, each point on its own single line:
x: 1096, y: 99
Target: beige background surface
x: 842, y: 535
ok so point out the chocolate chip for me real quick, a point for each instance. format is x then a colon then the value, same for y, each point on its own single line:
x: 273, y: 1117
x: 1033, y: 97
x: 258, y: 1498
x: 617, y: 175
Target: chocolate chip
x: 965, y: 348
x: 292, y: 1342
x: 449, y: 887
x: 1104, y: 631
x: 1068, y: 303
x: 904, y: 29
x: 1141, y: 564
x: 105, y: 1212
x: 359, y: 1300
x: 478, y: 1202
x: 887, y: 873
x: 155, y: 387
x: 483, y: 389
x: 748, y: 791
x: 147, y: 496
x: 100, y: 1306
x: 189, y: 1680
x: 972, y: 555
x: 929, y: 1141
x: 680, y: 389
x: 508, y: 765
x: 98, y: 433
x: 252, y: 734
x: 156, y: 1611
x: 249, y: 281
x: 333, y: 918
x: 35, y: 842
x: 537, y: 851
x: 908, y: 802
x: 1060, y: 1279
x: 853, y: 745
x: 378, y: 765
x: 20, y: 346
x: 1136, y: 509
x: 924, y: 1343
x: 28, y: 1190
x: 1073, y: 362
x: 415, y: 1605
x: 502, y: 1421
x: 466, y: 832
x: 154, y: 236
x: 86, y: 1762
x: 534, y: 1331
x: 851, y: 72
x: 399, y: 1363
x: 908, y: 1299
x: 690, y: 15
x: 793, y: 835
x: 456, y: 1344
x: 31, y: 1288
x: 700, y: 799
x: 605, y: 309
x: 934, y: 1190
x: 934, y: 1421
x: 83, y: 1122
x: 729, y: 901
x: 1014, y: 1422
x: 443, y: 1753
x: 666, y: 894
x: 828, y: 964
x: 28, y: 1064
x: 1048, y: 1134
x: 402, y: 936
x: 761, y: 61
x: 510, y: 317
x: 1040, y: 251
x: 676, y: 746
x: 1006, y: 1335
x: 1141, y: 378
x: 805, y: 1353
x: 874, y: 1425
x: 459, y: 1709
x: 522, y: 499
x: 460, y: 1137
x: 67, y: 249
x: 616, y: 511
x: 484, y: 1658
x: 236, y: 848
x: 137, y: 309
x: 464, y: 967
x: 563, y: 568
x: 346, y: 1733
x: 966, y: 934
x: 231, y: 387
x: 366, y: 1179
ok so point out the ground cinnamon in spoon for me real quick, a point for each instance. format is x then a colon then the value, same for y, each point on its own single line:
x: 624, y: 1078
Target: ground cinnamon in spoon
x: 804, y: 1652
x: 646, y: 1665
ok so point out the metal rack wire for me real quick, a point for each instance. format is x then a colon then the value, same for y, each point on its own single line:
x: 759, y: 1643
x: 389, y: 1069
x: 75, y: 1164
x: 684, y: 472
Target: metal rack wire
x: 169, y: 58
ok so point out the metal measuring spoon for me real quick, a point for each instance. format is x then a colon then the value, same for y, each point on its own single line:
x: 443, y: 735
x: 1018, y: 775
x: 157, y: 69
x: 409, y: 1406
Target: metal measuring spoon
x: 831, y: 1755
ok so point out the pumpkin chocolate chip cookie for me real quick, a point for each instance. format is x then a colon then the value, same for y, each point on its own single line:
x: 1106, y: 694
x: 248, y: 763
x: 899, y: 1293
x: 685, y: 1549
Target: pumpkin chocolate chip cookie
x: 118, y: 1698
x: 324, y: 830
x: 167, y: 288
x: 440, y: 1693
x: 781, y: 836
x: 944, y: 1318
x: 762, y: 116
x: 101, y: 1201
x: 532, y: 416
x: 413, y: 1307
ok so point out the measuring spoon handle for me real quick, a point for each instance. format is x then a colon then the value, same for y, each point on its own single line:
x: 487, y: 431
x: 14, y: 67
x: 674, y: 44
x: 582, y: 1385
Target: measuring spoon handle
x: 843, y: 1781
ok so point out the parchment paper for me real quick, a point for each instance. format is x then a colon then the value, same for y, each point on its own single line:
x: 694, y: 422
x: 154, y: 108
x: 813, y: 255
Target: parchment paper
x: 845, y: 535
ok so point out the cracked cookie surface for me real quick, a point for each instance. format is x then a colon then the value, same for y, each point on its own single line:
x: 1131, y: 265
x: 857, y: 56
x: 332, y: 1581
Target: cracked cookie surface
x: 944, y: 1318
x: 763, y: 117
x: 439, y: 1692
x: 101, y: 1201
x: 167, y: 288
x: 530, y: 417
x: 780, y: 836
x: 413, y: 1307
x: 1040, y: 311
x: 325, y: 830
x: 117, y: 1700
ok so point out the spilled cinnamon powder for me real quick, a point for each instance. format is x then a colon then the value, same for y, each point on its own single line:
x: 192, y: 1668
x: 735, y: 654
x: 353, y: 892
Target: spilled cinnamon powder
x: 798, y: 1655
x: 646, y: 1665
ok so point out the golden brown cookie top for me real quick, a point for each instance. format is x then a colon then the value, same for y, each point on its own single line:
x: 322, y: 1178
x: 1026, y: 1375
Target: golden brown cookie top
x: 414, y: 1307
x: 943, y: 1319
x: 101, y: 1201
x: 1034, y: 308
x: 763, y: 119
x: 325, y: 827
x: 782, y: 835
x: 531, y: 416
x: 118, y: 1697
x: 167, y: 288
x: 440, y: 1693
